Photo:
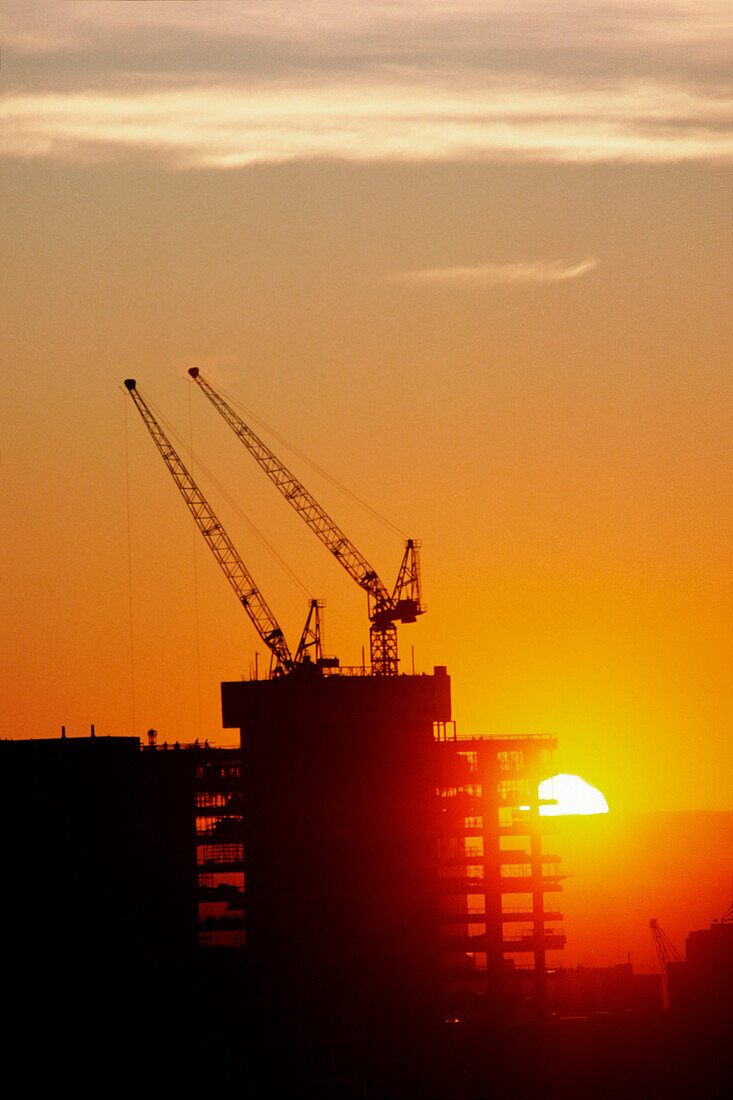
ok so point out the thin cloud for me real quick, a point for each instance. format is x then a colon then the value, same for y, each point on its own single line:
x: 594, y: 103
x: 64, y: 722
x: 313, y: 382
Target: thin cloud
x: 536, y: 271
x: 224, y: 85
x: 233, y: 124
x: 330, y: 28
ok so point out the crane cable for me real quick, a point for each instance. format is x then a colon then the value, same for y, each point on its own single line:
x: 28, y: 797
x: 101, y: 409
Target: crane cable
x: 195, y: 457
x: 195, y: 544
x: 231, y: 400
x: 129, y: 573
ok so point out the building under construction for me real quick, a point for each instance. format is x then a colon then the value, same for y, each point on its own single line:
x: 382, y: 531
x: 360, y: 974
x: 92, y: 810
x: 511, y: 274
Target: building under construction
x: 372, y: 880
x: 352, y: 901
x: 395, y: 875
x: 350, y: 886
x: 390, y: 868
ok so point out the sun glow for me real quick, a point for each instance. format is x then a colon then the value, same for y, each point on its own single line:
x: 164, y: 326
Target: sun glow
x: 573, y: 796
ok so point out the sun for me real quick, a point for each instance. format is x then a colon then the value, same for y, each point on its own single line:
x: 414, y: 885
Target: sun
x: 573, y: 795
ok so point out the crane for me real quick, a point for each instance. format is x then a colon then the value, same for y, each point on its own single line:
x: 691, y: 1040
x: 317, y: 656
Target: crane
x: 666, y: 951
x: 385, y: 609
x: 236, y: 572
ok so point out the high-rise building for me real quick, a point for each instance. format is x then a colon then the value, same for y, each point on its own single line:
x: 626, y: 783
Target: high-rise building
x: 395, y: 877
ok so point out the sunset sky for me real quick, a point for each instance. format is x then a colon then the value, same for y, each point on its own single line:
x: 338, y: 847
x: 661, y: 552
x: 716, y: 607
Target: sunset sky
x: 473, y: 259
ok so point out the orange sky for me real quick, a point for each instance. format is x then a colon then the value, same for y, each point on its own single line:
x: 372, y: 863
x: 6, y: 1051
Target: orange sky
x: 625, y: 869
x: 474, y: 259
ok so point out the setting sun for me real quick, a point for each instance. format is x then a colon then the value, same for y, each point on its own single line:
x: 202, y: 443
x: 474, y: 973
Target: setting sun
x: 573, y: 796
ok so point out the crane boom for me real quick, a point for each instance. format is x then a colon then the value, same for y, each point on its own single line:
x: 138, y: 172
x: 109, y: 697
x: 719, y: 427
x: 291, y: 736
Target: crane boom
x: 298, y: 496
x: 403, y: 605
x: 666, y: 953
x: 666, y: 950
x: 218, y: 541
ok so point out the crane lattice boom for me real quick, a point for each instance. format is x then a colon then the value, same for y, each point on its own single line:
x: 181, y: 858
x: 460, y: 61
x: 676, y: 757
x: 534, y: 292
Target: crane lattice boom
x: 218, y: 541
x: 298, y: 497
x: 405, y: 603
x: 666, y: 950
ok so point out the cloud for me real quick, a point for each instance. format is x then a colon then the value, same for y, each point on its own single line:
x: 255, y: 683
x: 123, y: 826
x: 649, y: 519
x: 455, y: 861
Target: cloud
x: 223, y: 85
x: 330, y: 28
x: 230, y: 126
x: 535, y: 271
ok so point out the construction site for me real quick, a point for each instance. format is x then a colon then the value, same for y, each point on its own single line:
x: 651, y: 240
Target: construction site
x: 354, y: 896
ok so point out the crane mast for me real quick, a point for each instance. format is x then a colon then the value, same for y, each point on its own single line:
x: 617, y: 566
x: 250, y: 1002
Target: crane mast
x: 223, y: 549
x: 404, y: 604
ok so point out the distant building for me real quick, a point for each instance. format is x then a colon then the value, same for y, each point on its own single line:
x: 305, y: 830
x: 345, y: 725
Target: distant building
x: 702, y: 985
x: 585, y: 990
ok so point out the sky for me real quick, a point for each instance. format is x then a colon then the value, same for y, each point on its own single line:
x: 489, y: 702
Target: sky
x: 473, y: 259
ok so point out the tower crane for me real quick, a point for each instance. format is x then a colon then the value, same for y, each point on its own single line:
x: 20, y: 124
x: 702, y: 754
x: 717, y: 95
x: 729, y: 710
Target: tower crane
x: 385, y: 610
x: 234, y: 569
x: 666, y: 951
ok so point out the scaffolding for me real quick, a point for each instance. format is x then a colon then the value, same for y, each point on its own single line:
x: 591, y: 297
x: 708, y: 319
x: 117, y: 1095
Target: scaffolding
x: 216, y: 829
x: 494, y: 876
x: 219, y: 848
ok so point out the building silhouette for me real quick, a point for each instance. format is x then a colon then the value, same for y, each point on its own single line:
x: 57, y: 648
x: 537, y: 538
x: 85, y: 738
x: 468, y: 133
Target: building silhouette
x: 347, y: 884
x: 355, y: 901
x: 701, y: 986
x: 585, y: 990
x: 387, y: 882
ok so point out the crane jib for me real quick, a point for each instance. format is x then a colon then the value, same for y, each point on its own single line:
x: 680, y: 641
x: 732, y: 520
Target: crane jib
x: 404, y: 605
x: 217, y: 539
